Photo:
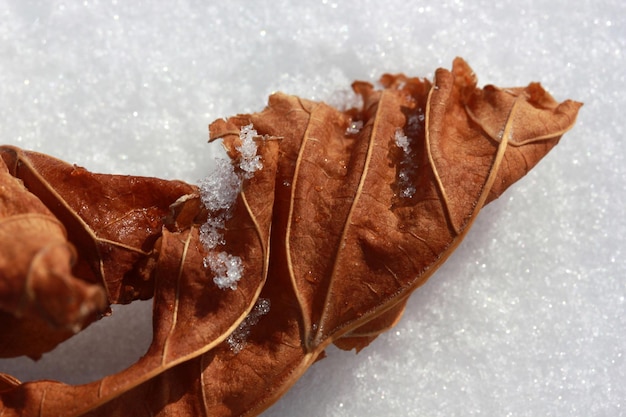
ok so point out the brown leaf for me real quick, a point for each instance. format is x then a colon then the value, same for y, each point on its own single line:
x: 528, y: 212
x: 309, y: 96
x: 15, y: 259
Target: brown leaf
x: 351, y: 212
x: 41, y: 302
x: 113, y: 220
x: 350, y: 244
x: 191, y: 314
x: 365, y: 334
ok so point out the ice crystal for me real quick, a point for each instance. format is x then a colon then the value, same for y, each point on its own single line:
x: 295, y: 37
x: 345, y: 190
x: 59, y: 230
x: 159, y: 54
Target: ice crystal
x: 219, y: 192
x: 227, y: 269
x: 237, y: 339
x: 354, y: 127
x: 402, y: 141
x: 250, y: 161
x: 407, y: 189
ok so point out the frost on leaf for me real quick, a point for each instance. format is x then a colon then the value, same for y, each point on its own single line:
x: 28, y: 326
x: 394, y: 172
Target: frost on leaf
x: 354, y: 127
x: 237, y: 339
x: 218, y: 193
x: 227, y: 269
x: 407, y: 189
x: 250, y: 161
x: 402, y: 141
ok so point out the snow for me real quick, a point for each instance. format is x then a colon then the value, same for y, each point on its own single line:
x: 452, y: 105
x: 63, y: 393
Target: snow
x: 250, y: 161
x: 237, y: 339
x: 402, y: 141
x: 218, y: 192
x: 219, y: 189
x: 354, y: 127
x: 525, y: 319
x: 407, y: 168
x: 227, y: 268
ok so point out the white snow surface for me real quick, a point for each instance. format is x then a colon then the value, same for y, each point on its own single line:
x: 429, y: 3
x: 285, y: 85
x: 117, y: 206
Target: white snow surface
x: 527, y: 318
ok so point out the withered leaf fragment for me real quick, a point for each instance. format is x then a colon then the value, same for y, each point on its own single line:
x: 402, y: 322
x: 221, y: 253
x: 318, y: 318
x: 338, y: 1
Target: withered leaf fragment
x: 113, y: 221
x: 41, y: 302
x: 351, y: 212
x: 190, y: 314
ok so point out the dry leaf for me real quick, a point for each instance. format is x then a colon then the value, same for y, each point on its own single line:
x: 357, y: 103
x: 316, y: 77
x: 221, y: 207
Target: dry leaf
x: 190, y: 316
x: 41, y: 303
x: 112, y: 220
x: 350, y: 212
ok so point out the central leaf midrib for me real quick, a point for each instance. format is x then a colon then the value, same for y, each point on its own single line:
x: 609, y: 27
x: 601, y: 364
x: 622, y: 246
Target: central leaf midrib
x: 319, y: 336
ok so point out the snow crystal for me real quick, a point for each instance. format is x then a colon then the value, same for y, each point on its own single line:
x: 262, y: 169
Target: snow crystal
x: 408, y: 192
x: 237, y: 339
x: 218, y: 193
x: 402, y: 141
x: 250, y: 161
x: 219, y: 190
x: 211, y: 231
x: 227, y: 269
x: 354, y: 127
x: 407, y: 189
